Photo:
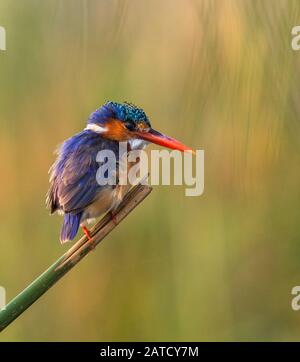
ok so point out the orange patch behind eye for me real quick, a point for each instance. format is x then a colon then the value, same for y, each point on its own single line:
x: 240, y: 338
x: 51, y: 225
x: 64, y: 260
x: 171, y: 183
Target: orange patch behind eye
x: 116, y: 130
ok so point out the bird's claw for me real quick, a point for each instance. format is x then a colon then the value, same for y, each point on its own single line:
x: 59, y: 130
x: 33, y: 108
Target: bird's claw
x: 114, y: 218
x: 88, y: 235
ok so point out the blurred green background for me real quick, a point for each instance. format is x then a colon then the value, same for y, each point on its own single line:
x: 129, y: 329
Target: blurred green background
x: 218, y: 75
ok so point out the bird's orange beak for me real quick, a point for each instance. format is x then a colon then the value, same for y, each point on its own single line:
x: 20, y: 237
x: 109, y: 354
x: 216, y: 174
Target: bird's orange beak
x: 163, y: 140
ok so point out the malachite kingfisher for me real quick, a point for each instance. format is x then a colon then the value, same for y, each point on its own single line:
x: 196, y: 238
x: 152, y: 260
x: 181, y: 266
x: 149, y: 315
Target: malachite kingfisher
x: 74, y: 191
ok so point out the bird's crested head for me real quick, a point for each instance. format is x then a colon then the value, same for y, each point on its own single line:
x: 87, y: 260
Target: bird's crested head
x: 118, y: 121
x: 126, y: 122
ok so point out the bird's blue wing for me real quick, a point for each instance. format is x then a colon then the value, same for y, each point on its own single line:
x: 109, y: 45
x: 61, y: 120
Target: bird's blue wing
x: 73, y: 175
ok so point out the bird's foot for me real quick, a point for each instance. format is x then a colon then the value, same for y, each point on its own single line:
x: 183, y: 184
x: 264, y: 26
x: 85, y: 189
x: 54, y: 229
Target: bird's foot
x: 87, y: 233
x: 114, y: 218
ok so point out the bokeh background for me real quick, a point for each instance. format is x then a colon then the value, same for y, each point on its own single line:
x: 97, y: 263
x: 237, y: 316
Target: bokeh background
x: 218, y: 75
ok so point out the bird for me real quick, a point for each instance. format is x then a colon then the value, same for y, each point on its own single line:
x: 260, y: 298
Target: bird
x: 74, y: 191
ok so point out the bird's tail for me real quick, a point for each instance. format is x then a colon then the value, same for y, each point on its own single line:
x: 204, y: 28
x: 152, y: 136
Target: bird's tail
x: 70, y: 227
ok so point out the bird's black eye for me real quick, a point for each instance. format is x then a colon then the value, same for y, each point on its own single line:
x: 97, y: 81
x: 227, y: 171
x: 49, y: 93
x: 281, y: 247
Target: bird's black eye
x: 130, y: 125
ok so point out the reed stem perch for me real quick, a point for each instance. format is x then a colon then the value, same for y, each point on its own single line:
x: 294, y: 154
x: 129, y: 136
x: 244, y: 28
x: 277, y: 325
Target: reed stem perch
x: 77, y: 252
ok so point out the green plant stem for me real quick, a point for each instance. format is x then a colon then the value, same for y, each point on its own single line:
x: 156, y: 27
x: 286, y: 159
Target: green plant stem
x: 64, y: 264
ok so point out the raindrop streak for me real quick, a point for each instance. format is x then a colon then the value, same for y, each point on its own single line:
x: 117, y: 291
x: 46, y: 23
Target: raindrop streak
x: 2, y: 38
x: 2, y: 297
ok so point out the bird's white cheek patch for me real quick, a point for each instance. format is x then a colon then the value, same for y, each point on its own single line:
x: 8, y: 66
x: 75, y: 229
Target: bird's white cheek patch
x: 95, y: 128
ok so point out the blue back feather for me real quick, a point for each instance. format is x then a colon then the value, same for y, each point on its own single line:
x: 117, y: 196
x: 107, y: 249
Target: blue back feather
x: 73, y: 175
x: 70, y: 227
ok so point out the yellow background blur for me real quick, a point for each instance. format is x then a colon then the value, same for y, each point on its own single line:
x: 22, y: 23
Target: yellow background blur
x: 218, y: 75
